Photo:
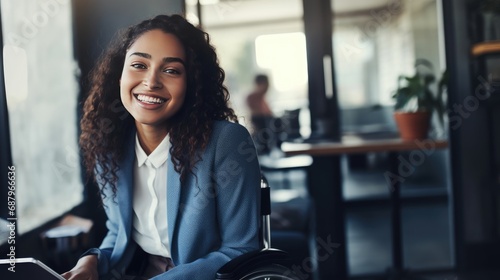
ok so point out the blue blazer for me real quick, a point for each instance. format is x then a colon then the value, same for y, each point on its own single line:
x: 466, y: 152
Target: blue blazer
x: 212, y: 217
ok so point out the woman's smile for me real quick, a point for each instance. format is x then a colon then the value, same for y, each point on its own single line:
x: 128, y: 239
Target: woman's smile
x: 149, y: 101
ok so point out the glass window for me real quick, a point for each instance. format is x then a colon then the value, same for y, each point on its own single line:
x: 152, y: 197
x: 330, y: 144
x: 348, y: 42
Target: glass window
x: 374, y: 43
x: 259, y: 37
x: 377, y: 41
x: 287, y: 66
x: 41, y: 91
x: 369, y: 56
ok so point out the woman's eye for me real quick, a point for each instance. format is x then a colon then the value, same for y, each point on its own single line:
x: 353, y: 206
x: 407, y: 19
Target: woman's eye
x: 138, y: 66
x: 171, y: 71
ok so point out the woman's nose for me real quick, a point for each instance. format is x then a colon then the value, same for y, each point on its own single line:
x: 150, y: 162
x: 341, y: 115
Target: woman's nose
x: 152, y: 80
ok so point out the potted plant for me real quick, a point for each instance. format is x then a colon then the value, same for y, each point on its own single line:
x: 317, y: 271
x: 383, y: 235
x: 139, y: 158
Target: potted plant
x: 416, y: 101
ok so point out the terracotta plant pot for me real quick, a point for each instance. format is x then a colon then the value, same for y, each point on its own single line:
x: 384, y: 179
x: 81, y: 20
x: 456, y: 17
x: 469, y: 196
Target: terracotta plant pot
x: 413, y: 125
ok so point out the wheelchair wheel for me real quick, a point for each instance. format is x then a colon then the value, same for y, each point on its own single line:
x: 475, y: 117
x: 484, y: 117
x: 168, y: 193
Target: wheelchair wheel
x: 271, y: 272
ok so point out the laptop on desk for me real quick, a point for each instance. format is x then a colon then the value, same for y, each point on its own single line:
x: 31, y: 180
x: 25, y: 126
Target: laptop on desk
x: 26, y: 268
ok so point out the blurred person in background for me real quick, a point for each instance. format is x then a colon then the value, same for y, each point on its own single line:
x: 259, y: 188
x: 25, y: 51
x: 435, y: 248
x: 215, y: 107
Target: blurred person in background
x: 261, y: 115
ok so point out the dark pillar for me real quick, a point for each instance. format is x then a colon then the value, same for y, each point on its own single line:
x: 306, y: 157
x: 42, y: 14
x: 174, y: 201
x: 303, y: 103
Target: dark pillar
x: 472, y: 145
x: 325, y: 182
x: 318, y: 31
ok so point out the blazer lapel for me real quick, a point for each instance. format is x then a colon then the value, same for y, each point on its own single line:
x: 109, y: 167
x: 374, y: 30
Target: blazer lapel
x: 125, y: 183
x: 173, y: 198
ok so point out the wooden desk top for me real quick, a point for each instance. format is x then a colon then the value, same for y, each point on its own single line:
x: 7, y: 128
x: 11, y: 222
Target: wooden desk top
x: 352, y: 144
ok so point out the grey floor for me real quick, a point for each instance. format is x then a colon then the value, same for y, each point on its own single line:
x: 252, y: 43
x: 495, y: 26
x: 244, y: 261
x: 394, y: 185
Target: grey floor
x: 425, y: 215
x: 426, y: 227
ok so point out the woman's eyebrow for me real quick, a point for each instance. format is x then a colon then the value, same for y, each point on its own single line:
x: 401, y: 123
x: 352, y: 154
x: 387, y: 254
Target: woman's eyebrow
x: 165, y: 59
x: 173, y: 59
x: 141, y: 54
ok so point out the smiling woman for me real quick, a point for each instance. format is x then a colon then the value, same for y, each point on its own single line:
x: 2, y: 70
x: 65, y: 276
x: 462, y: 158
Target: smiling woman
x: 180, y: 192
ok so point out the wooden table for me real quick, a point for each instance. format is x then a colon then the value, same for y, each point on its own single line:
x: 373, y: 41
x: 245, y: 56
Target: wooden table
x: 325, y: 187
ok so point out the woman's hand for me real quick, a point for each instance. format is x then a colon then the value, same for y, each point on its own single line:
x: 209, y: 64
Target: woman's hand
x: 85, y: 269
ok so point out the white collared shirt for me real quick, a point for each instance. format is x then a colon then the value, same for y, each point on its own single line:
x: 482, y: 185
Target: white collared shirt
x: 150, y: 228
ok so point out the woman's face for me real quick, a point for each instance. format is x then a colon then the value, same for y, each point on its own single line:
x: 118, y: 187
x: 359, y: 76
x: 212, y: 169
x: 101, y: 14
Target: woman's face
x: 153, y: 81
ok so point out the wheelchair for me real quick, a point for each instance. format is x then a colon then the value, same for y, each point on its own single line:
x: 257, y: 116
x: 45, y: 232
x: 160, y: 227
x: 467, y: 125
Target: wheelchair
x: 264, y: 264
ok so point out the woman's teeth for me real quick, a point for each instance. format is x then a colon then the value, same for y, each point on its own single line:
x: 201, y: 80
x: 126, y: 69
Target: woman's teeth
x: 149, y: 99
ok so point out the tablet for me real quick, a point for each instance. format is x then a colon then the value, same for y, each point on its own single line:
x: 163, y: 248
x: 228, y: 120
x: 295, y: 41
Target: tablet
x: 26, y: 268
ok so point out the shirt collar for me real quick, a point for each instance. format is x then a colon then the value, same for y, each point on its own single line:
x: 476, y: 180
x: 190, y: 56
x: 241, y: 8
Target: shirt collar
x: 157, y: 158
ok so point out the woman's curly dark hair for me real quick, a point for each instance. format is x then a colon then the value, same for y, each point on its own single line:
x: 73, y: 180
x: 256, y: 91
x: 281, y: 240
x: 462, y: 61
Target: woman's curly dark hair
x: 105, y: 122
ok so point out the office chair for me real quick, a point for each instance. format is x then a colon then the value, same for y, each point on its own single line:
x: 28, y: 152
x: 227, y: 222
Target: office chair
x: 266, y: 263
